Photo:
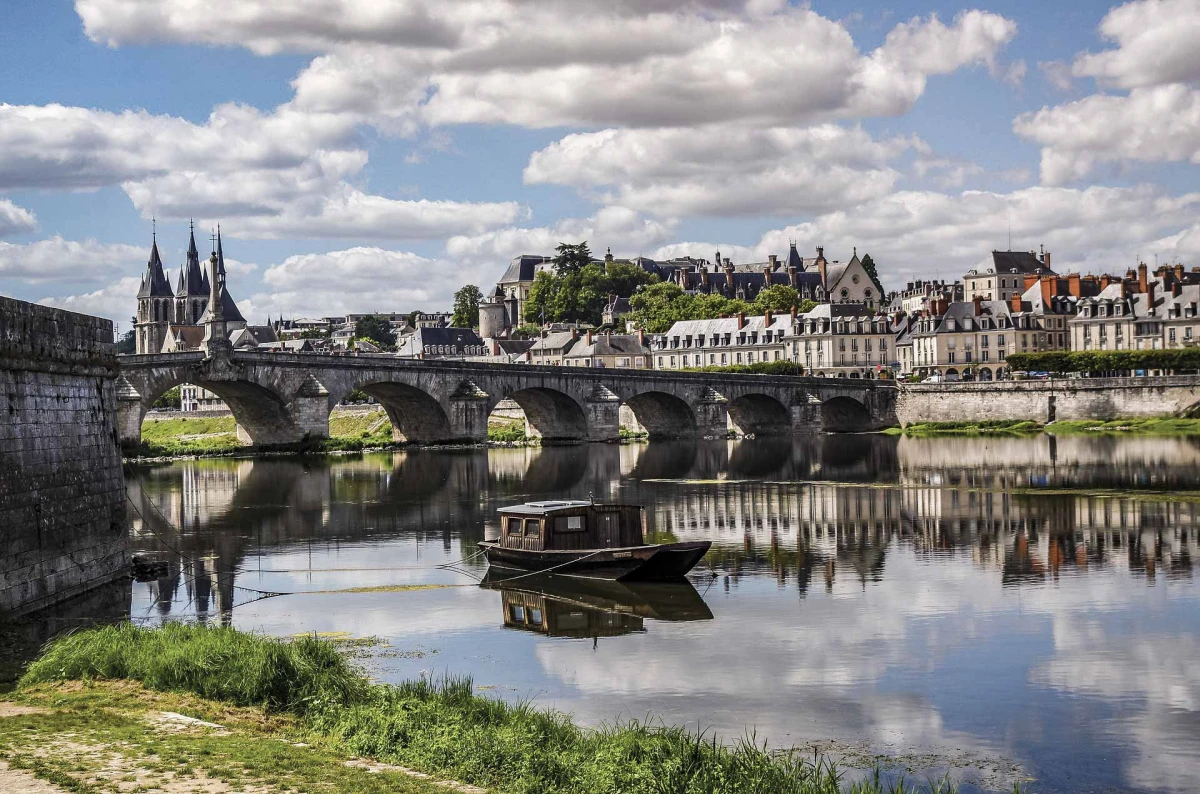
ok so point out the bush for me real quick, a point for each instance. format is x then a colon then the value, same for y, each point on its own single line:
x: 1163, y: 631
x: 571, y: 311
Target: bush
x: 509, y: 433
x: 1098, y: 361
x: 757, y: 368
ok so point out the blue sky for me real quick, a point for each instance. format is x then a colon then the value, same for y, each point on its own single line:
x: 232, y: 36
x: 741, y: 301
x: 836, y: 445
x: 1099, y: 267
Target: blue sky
x: 369, y: 155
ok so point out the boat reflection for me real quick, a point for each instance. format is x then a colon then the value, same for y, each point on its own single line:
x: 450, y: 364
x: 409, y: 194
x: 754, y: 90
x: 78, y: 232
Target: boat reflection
x: 579, y: 608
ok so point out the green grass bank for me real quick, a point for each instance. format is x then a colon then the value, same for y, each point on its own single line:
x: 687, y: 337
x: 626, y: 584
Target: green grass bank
x: 1157, y: 426
x: 441, y: 728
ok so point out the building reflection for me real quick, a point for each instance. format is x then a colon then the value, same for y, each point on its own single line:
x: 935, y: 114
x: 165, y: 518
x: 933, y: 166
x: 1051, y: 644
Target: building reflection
x: 824, y: 508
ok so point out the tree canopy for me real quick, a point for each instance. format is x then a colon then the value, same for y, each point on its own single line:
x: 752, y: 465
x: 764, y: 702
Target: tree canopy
x: 571, y: 258
x: 466, y: 307
x: 659, y: 306
x: 128, y: 341
x: 377, y: 329
x: 868, y: 265
x: 580, y: 295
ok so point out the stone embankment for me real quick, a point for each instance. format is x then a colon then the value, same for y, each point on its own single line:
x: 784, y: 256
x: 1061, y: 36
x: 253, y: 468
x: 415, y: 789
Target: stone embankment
x: 61, y: 488
x: 1051, y: 400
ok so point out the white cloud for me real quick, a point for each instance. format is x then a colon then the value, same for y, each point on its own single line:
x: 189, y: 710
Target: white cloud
x: 363, y: 279
x: 1156, y: 44
x: 56, y: 259
x: 920, y: 234
x: 281, y: 173
x: 1057, y: 73
x: 14, y: 219
x: 723, y: 169
x: 117, y: 302
x: 1158, y: 124
x: 624, y: 227
x: 539, y: 63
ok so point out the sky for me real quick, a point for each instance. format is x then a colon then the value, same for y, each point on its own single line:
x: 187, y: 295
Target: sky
x: 376, y: 155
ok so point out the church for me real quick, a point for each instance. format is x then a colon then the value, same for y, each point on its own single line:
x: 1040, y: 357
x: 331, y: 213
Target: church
x: 182, y: 319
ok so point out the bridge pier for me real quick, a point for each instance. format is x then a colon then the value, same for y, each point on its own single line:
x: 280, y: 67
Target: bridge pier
x: 129, y: 414
x: 468, y: 413
x: 712, y: 415
x: 602, y: 409
x: 806, y: 415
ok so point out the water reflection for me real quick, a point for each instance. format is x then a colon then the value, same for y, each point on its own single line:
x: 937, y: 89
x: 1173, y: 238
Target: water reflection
x: 1014, y: 598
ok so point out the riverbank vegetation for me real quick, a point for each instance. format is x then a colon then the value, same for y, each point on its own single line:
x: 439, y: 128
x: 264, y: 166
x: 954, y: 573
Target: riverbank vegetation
x: 757, y: 368
x: 1149, y: 426
x: 441, y: 728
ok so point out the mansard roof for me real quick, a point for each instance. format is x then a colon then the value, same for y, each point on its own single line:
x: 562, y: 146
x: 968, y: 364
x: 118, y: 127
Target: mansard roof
x: 154, y: 282
x: 1010, y: 262
x: 523, y: 268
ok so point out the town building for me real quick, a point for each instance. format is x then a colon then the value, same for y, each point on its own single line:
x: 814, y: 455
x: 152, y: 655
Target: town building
x: 844, y: 340
x: 619, y: 351
x: 1143, y: 311
x: 724, y: 341
x: 551, y: 347
x: 920, y: 295
x: 1001, y: 274
x: 431, y: 343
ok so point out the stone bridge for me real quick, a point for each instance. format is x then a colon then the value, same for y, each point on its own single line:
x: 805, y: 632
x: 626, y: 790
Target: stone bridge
x: 280, y: 398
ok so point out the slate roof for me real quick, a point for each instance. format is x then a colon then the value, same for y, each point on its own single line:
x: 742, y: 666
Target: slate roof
x: 455, y: 338
x: 729, y: 325
x: 523, y: 268
x: 192, y: 281
x: 551, y: 344
x: 1010, y: 262
x: 228, y: 306
x: 253, y: 336
x: 609, y: 345
x: 154, y: 282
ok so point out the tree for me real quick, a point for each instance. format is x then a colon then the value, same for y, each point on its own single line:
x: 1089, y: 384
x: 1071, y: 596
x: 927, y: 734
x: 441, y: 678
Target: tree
x: 466, y: 307
x: 868, y: 265
x: 571, y: 258
x: 377, y: 329
x: 580, y: 295
x: 169, y: 399
x: 314, y: 333
x: 654, y: 308
x: 775, y: 298
x: 128, y: 341
x: 806, y: 306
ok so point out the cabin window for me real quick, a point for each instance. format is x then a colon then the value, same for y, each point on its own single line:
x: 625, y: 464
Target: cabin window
x: 535, y: 616
x: 513, y: 526
x: 533, y: 527
x: 517, y: 613
x: 568, y: 524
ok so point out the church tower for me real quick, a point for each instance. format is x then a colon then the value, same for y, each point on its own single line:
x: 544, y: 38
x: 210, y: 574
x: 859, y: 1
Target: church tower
x: 222, y: 316
x: 156, y: 308
x: 191, y: 294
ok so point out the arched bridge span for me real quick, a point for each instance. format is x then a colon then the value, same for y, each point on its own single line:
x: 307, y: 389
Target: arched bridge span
x: 280, y: 399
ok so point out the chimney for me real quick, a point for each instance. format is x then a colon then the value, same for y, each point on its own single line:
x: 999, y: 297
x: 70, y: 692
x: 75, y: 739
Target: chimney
x: 774, y: 260
x: 1046, y: 259
x: 575, y: 334
x: 1030, y: 280
x: 793, y: 314
x: 793, y: 279
x: 1104, y: 281
x: 741, y: 318
x: 1179, y: 272
x: 978, y: 305
x: 589, y: 337
x: 641, y: 337
x: 821, y: 269
x: 1049, y: 288
x: 767, y: 272
x: 1015, y: 303
x: 1073, y: 285
x: 768, y: 318
x: 1141, y: 276
x: 727, y: 266
x: 940, y: 306
x: 1176, y: 289
x: 704, y: 278
x: 495, y: 347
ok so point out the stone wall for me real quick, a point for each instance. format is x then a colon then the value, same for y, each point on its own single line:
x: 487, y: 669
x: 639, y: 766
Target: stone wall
x: 62, y: 491
x: 1048, y: 400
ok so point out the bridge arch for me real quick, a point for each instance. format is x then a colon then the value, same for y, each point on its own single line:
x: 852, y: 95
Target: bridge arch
x: 551, y: 415
x: 416, y: 416
x: 663, y: 415
x: 759, y: 414
x: 844, y: 415
x: 261, y: 415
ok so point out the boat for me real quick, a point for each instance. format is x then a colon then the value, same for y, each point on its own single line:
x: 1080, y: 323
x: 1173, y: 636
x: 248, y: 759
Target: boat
x: 586, y: 539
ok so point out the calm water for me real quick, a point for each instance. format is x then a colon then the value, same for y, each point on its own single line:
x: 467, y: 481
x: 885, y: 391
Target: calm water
x: 982, y: 604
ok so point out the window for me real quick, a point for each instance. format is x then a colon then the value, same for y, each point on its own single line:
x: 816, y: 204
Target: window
x: 568, y: 524
x: 950, y: 356
x: 739, y: 358
x: 660, y: 361
x: 533, y: 527
x: 512, y: 526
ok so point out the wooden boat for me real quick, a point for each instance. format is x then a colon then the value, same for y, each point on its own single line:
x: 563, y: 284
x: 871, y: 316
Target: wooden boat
x: 575, y: 538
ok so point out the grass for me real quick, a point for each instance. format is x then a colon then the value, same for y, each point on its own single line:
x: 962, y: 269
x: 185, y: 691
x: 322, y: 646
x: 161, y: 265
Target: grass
x: 507, y: 432
x: 980, y: 427
x: 1150, y: 426
x: 216, y: 436
x: 438, y: 727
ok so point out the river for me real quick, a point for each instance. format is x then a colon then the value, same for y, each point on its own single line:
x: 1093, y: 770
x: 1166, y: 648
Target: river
x: 1006, y: 607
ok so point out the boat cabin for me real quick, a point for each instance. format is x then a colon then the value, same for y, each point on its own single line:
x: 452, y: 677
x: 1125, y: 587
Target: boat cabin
x: 570, y: 526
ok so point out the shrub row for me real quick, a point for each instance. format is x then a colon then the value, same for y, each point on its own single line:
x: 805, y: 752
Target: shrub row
x: 1095, y: 361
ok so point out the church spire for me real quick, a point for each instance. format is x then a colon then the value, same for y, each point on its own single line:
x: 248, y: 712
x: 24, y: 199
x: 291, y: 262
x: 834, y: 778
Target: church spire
x: 155, y: 284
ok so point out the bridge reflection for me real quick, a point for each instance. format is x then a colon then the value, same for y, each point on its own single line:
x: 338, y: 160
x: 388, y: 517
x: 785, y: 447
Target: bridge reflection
x: 811, y: 510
